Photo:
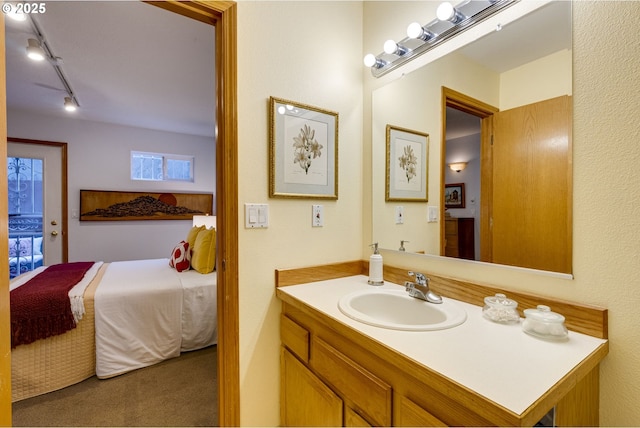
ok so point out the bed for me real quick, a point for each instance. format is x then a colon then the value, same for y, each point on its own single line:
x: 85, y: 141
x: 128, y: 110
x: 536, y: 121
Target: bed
x: 130, y: 314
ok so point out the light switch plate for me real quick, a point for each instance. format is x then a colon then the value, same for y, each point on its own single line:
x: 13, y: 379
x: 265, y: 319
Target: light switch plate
x: 256, y: 216
x: 399, y: 214
x: 317, y: 219
x: 432, y: 214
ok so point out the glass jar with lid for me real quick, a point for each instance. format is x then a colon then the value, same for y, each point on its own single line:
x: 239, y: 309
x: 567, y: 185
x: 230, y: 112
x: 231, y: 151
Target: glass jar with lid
x: 542, y: 322
x: 501, y: 309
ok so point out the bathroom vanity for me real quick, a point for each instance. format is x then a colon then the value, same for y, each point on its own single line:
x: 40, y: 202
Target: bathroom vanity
x: 341, y: 372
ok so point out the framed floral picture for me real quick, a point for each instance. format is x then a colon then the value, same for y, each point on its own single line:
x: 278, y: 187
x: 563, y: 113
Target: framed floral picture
x: 454, y: 195
x: 303, y: 151
x: 407, y: 167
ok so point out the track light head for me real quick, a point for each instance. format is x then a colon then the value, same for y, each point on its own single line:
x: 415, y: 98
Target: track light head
x: 34, y: 50
x: 69, y: 104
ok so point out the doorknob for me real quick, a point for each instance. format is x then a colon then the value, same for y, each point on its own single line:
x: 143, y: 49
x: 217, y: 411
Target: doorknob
x: 54, y: 223
x: 54, y: 233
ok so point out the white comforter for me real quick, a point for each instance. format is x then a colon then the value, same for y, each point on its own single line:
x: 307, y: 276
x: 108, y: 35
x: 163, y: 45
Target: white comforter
x: 147, y: 312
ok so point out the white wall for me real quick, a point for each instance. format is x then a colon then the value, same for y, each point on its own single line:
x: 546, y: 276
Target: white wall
x: 309, y: 52
x: 98, y: 159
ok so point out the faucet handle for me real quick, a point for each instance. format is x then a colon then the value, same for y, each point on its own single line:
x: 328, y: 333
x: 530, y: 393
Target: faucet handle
x: 420, y: 278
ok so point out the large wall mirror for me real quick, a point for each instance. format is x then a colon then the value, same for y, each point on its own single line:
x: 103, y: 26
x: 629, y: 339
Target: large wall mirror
x: 500, y: 108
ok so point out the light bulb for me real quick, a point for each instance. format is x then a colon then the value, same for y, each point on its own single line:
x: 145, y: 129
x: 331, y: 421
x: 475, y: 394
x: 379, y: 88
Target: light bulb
x: 445, y: 11
x: 34, y: 50
x: 417, y: 31
x: 370, y: 60
x: 390, y: 47
x: 414, y: 30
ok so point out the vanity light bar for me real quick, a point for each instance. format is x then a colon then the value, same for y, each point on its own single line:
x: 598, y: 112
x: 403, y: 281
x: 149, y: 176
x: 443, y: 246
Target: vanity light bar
x: 420, y: 40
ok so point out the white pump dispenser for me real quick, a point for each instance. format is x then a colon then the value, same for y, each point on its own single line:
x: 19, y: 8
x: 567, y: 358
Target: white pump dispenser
x: 375, y: 267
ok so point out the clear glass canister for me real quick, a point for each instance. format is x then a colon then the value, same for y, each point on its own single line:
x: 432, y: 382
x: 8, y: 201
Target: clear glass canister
x: 500, y: 309
x: 543, y: 323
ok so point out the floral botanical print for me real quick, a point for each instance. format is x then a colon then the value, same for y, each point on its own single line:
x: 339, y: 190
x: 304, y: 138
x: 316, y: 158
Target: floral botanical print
x: 409, y: 163
x: 306, y: 148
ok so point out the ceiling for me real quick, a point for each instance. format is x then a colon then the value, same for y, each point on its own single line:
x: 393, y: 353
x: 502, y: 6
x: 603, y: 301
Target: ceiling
x: 131, y: 63
x: 127, y: 62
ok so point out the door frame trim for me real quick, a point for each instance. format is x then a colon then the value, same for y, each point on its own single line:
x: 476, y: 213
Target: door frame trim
x: 484, y: 111
x: 223, y: 16
x: 63, y: 183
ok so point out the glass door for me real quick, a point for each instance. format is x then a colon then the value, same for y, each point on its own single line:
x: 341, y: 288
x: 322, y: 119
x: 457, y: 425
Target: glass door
x: 24, y: 176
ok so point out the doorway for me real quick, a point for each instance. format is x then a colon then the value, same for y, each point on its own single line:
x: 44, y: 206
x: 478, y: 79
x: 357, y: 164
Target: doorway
x: 223, y: 16
x: 484, y: 112
x: 37, y: 197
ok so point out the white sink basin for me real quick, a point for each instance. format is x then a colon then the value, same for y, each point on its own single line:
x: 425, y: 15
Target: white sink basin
x: 395, y: 309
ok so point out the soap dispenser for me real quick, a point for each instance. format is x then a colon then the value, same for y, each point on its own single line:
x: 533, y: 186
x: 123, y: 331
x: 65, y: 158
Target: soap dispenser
x: 375, y: 267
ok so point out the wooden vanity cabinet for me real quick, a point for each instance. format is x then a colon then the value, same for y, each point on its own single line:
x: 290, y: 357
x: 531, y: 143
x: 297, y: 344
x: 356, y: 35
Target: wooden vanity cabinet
x: 334, y: 381
x: 331, y: 375
x: 327, y: 388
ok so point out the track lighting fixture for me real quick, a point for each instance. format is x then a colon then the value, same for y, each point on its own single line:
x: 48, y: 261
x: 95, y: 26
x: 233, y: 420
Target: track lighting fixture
x: 34, y: 50
x: 38, y: 49
x: 69, y: 104
x: 450, y: 21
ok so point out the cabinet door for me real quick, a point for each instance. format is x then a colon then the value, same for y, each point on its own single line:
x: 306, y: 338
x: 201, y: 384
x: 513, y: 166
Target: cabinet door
x: 363, y: 390
x: 353, y: 419
x: 409, y: 414
x: 306, y: 401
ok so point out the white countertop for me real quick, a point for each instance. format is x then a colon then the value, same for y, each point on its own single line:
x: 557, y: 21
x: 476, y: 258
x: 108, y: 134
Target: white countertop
x: 500, y: 362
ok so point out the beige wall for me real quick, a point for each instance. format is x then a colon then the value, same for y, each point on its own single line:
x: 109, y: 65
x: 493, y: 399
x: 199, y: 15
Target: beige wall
x: 545, y: 79
x: 311, y: 53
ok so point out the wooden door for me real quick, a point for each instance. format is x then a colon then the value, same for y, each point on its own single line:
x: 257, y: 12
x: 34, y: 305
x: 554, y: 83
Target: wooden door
x: 531, y: 224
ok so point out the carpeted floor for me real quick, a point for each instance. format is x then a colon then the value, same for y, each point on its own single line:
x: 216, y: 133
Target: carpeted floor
x: 177, y: 392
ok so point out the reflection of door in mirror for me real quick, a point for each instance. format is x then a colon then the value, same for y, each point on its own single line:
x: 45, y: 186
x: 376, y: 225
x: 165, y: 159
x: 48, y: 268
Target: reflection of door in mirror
x: 532, y: 145
x: 529, y: 144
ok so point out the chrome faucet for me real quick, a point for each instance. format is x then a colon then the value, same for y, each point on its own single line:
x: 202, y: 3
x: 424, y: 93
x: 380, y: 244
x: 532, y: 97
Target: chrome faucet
x: 420, y: 289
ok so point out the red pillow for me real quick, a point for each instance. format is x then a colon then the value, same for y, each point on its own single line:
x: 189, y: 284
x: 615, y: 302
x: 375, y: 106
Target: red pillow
x: 181, y: 257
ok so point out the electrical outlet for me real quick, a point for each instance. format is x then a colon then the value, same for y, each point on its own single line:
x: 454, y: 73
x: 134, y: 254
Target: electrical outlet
x: 317, y: 219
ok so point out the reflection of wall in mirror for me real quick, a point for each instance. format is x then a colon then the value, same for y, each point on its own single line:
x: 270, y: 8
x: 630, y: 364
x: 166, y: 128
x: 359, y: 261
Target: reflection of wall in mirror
x: 414, y: 102
x: 420, y: 109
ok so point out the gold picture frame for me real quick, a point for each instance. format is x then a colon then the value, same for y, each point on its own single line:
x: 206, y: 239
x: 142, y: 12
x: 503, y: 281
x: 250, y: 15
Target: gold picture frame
x: 407, y: 172
x: 303, y: 151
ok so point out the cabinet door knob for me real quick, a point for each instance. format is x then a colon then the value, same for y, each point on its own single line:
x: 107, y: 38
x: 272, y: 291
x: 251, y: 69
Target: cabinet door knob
x: 54, y: 233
